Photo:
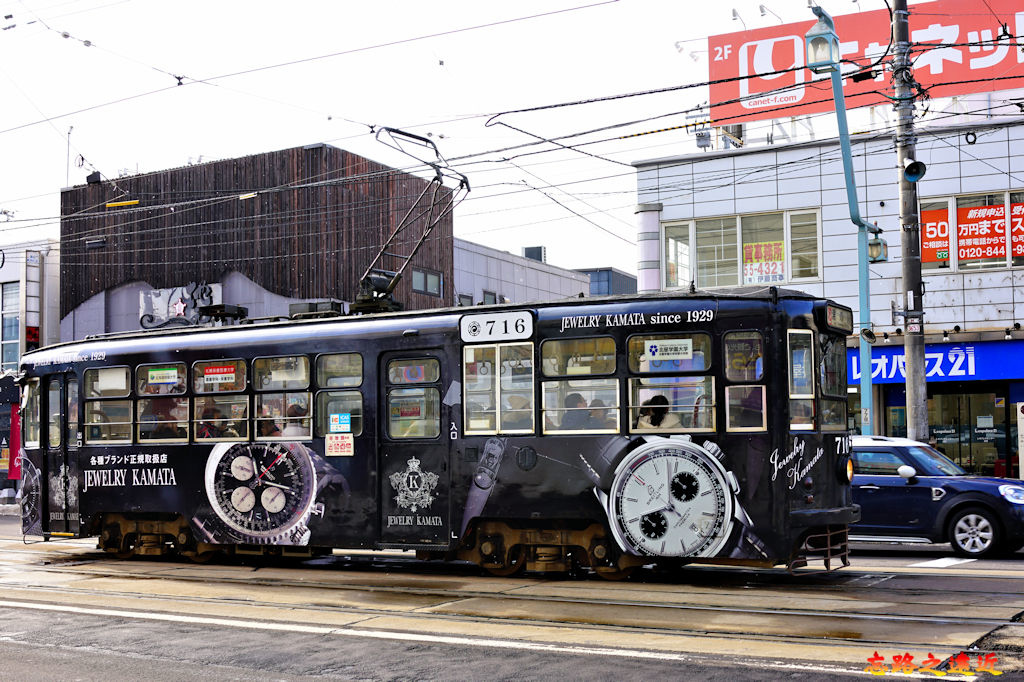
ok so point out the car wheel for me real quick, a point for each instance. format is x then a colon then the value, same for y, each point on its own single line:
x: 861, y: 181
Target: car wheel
x: 973, y: 532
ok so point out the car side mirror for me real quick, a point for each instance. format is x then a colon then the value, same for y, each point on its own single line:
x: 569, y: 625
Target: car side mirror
x: 906, y: 471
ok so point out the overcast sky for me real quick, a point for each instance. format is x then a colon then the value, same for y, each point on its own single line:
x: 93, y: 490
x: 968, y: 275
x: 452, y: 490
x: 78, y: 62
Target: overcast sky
x: 259, y: 76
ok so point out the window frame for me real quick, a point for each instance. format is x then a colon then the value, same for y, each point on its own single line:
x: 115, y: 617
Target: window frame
x: 245, y: 384
x: 612, y: 381
x: 693, y: 272
x: 595, y: 338
x: 426, y: 273
x: 325, y: 386
x: 952, y: 204
x: 764, y: 410
x: 495, y: 392
x: 662, y: 380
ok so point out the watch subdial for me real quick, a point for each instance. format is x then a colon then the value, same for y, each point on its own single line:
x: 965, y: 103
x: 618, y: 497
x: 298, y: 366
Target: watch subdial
x: 243, y: 499
x: 685, y: 486
x: 273, y: 500
x: 654, y: 525
x: 243, y: 468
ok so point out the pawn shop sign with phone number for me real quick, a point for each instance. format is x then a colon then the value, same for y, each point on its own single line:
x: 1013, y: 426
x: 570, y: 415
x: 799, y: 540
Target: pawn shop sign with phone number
x: 958, y: 47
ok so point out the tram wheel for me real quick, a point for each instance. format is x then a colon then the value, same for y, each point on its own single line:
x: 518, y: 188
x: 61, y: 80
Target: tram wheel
x: 515, y: 563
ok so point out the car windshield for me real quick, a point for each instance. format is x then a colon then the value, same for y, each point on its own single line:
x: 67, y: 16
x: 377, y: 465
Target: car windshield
x: 935, y: 461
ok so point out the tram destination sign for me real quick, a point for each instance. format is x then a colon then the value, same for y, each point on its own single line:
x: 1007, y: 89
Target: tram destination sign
x: 488, y: 327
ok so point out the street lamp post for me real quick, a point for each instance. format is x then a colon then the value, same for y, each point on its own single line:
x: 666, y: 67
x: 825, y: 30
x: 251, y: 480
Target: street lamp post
x: 823, y: 57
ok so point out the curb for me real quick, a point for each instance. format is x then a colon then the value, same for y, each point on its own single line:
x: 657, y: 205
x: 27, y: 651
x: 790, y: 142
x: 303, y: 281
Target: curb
x: 10, y: 509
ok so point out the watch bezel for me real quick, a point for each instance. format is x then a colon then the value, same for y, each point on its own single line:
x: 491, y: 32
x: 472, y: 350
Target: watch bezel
x: 720, y: 477
x: 278, y: 532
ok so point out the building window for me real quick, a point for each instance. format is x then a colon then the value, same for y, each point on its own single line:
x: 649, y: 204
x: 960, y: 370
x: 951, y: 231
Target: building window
x: 975, y: 232
x: 11, y: 304
x: 426, y: 282
x: 490, y: 298
x: 465, y: 300
x: 677, y: 256
x: 716, y: 252
x: 765, y: 248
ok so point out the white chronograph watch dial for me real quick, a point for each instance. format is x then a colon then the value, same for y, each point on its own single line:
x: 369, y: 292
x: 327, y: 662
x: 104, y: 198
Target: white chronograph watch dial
x: 673, y: 499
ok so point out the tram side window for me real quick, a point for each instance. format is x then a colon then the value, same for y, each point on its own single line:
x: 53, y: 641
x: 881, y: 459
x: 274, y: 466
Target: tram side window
x: 339, y: 412
x: 744, y: 404
x: 581, y: 405
x: 414, y: 412
x: 30, y: 413
x: 339, y: 370
x: 801, y: 379
x: 163, y: 379
x: 669, y: 353
x: 73, y: 436
x: 680, y: 403
x: 498, y: 395
x: 108, y: 420
x: 282, y: 413
x: 163, y: 419
x: 54, y: 426
x: 833, y: 383
x: 578, y: 357
x: 220, y: 411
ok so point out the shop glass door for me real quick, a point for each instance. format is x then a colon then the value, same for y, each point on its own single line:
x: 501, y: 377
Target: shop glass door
x: 970, y: 429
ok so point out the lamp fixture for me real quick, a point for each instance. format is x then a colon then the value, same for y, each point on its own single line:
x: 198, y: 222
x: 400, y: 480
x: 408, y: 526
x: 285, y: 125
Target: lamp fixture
x: 1008, y: 336
x: 885, y: 336
x: 956, y: 328
x: 766, y: 11
x: 945, y: 335
x: 736, y: 17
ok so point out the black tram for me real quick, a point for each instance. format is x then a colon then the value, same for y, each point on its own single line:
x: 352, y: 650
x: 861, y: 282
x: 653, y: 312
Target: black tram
x: 609, y: 433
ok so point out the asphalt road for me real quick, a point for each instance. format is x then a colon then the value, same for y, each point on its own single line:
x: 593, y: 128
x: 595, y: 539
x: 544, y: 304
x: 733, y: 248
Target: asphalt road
x: 69, y: 612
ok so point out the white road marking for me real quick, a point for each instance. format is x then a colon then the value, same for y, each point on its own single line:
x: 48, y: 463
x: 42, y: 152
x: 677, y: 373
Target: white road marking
x: 444, y: 639
x: 944, y: 562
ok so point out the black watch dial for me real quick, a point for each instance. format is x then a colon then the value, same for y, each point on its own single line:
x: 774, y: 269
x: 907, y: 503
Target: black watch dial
x: 261, y: 490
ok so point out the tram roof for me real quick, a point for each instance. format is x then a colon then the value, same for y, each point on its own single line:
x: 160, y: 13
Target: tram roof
x: 725, y: 293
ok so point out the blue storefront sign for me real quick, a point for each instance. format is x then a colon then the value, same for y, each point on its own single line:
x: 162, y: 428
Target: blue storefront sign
x: 943, y: 362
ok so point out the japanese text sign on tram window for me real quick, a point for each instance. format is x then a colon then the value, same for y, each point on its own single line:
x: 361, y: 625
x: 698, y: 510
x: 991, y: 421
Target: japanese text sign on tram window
x: 669, y: 349
x: 219, y: 374
x: 167, y: 375
x: 763, y: 262
x: 758, y: 74
x: 1017, y: 229
x: 496, y: 326
x: 981, y: 232
x: 935, y: 235
x: 341, y: 422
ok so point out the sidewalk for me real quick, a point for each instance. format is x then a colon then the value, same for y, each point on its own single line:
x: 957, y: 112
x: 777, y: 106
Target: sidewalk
x: 12, y: 509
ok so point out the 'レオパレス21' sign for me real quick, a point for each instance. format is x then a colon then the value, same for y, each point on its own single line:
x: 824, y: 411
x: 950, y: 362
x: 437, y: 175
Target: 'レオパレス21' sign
x: 943, y: 362
x: 957, y: 49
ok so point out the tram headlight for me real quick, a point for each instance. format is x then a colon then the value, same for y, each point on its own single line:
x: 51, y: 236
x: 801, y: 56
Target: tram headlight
x: 1012, y: 493
x: 845, y: 470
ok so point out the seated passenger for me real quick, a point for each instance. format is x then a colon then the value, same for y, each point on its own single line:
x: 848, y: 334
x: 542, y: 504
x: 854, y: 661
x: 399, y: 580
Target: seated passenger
x: 575, y: 416
x: 658, y: 416
x: 599, y: 417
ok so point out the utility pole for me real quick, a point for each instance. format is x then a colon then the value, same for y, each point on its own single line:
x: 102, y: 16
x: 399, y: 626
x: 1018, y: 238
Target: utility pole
x: 910, y: 171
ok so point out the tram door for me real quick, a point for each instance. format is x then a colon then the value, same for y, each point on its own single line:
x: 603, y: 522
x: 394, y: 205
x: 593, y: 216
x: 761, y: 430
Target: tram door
x: 61, y: 482
x: 414, y: 450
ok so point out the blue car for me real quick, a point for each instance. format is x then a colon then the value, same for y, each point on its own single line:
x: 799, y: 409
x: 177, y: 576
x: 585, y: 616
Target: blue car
x: 911, y: 492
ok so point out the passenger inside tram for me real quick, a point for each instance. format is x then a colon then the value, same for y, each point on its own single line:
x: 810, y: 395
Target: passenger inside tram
x: 654, y: 414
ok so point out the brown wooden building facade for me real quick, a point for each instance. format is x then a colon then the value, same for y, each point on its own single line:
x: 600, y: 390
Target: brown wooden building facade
x: 301, y: 223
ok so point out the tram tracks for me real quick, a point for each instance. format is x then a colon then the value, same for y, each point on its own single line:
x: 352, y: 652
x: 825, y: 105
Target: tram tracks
x: 841, y: 617
x: 651, y: 607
